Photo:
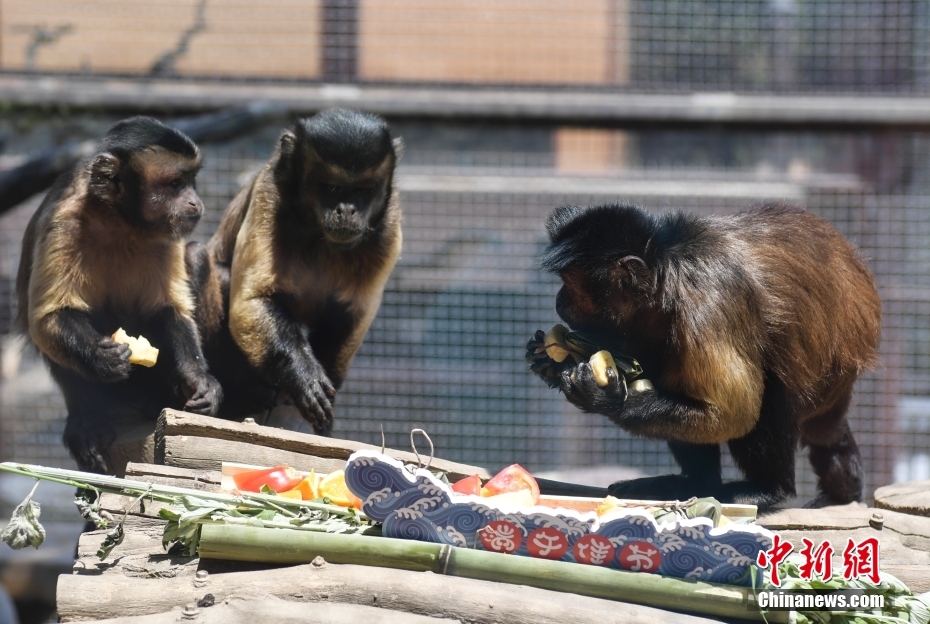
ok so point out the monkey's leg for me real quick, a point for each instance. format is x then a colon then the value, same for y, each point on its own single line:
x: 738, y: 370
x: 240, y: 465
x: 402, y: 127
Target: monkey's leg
x: 87, y: 432
x: 700, y: 476
x: 765, y: 455
x: 834, y: 456
x: 188, y: 367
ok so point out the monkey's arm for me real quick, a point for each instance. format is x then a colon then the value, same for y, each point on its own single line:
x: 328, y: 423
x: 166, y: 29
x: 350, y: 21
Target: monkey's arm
x: 177, y: 337
x: 721, y: 408
x: 273, y: 342
x: 266, y: 332
x: 67, y: 337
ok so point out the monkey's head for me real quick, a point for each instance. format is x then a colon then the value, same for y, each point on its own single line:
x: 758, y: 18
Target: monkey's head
x: 604, y: 256
x: 144, y: 171
x: 338, y: 168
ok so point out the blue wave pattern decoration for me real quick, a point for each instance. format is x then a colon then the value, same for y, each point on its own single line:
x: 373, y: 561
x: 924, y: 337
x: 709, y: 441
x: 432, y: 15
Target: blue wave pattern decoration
x: 412, y: 504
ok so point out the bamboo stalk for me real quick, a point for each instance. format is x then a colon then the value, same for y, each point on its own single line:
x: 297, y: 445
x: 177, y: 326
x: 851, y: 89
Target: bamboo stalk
x: 287, y: 547
x: 164, y: 493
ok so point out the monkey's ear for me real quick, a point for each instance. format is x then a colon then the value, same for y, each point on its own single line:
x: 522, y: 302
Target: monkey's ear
x: 288, y: 142
x: 103, y: 176
x: 398, y: 144
x: 632, y: 271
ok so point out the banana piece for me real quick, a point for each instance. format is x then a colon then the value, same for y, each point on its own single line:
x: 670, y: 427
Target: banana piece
x: 600, y: 362
x: 141, y: 351
x: 556, y: 348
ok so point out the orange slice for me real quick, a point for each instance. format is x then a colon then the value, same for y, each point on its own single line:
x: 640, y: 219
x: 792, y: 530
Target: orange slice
x: 309, y: 487
x: 291, y: 494
x: 333, y: 486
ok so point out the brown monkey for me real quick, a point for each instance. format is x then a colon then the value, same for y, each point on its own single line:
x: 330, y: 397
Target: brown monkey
x: 106, y: 250
x: 292, y: 279
x: 751, y: 327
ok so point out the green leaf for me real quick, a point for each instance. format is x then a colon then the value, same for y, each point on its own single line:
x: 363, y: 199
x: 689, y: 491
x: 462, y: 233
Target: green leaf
x: 113, y: 538
x: 265, y: 489
x: 90, y: 509
x: 24, y: 528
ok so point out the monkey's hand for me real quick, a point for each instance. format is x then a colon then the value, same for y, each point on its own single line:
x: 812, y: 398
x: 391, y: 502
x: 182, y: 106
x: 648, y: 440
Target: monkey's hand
x: 541, y: 364
x: 205, y: 395
x: 111, y: 360
x: 581, y: 389
x: 315, y: 400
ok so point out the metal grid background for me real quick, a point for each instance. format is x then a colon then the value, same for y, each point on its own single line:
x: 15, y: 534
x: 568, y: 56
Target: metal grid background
x: 445, y: 352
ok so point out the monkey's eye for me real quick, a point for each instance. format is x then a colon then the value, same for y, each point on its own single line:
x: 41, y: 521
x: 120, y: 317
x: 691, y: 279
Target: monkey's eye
x: 178, y: 183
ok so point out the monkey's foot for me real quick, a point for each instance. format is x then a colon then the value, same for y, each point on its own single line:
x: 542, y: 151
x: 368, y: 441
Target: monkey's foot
x: 822, y: 499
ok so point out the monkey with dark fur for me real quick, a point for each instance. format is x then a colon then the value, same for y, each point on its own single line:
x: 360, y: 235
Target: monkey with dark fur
x: 106, y: 250
x: 292, y: 279
x: 751, y: 327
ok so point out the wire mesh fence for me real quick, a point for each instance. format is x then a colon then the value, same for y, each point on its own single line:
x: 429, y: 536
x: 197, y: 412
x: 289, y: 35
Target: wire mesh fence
x: 446, y: 350
x: 780, y: 45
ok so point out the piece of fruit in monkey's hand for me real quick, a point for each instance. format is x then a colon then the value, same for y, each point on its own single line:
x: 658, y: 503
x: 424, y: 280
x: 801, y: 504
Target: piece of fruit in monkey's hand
x: 141, y: 351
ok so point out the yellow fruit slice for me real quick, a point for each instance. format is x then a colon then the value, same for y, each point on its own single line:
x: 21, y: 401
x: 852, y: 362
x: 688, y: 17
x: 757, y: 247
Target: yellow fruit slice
x: 309, y: 488
x: 608, y: 504
x: 141, y: 351
x: 555, y: 345
x: 600, y: 362
x: 291, y: 494
x: 333, y: 486
x: 520, y: 498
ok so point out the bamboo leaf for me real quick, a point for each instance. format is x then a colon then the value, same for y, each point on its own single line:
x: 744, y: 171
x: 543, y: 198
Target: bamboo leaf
x: 114, y: 538
x: 24, y: 528
x: 90, y: 509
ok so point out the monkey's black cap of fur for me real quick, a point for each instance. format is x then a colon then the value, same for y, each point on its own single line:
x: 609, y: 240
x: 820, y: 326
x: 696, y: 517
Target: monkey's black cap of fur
x: 356, y: 141
x: 590, y: 237
x: 133, y: 135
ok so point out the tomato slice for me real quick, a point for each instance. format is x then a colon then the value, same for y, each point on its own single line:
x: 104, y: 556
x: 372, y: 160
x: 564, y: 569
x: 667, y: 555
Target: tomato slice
x: 468, y: 485
x: 279, y: 479
x: 512, y: 479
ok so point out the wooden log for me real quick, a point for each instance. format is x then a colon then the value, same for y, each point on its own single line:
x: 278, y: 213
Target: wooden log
x: 172, y: 475
x: 910, y: 498
x: 423, y: 593
x: 248, y: 608
x: 204, y: 453
x: 911, y: 531
x: 173, y: 423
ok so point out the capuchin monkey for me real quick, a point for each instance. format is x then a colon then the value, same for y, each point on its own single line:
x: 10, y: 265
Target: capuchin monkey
x: 752, y: 329
x: 290, y: 282
x: 105, y: 250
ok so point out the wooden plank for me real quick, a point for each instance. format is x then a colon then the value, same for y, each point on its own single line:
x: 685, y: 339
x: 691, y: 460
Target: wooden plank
x: 911, y: 531
x: 287, y: 444
x: 910, y: 498
x: 246, y: 609
x: 423, y: 593
x: 172, y: 475
x: 202, y: 453
x: 557, y: 105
